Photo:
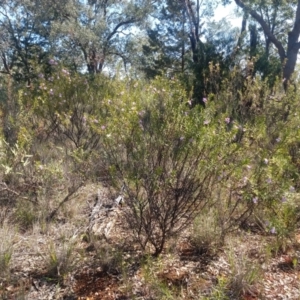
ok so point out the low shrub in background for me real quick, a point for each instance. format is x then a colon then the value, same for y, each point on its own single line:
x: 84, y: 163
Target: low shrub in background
x: 64, y: 108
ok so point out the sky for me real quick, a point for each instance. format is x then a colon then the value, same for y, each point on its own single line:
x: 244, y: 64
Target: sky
x: 228, y: 13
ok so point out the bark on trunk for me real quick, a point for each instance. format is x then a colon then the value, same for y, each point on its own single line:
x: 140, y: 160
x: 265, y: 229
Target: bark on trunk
x: 288, y: 57
x: 9, y: 115
x: 291, y: 57
x: 95, y: 62
x: 194, y: 23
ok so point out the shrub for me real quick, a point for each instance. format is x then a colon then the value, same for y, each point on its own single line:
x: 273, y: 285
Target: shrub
x: 283, y: 222
x: 257, y: 176
x: 65, y: 108
x: 167, y: 155
x: 31, y: 183
x: 174, y: 160
x: 21, y: 184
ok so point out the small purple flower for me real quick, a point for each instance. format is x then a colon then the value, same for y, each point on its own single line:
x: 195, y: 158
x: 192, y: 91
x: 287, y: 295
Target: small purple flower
x: 41, y: 75
x: 283, y: 199
x: 227, y: 120
x: 273, y: 230
x: 292, y: 189
x: 206, y: 122
x: 269, y: 180
x: 64, y: 71
x: 255, y: 200
x: 278, y: 140
x: 103, y: 127
x: 204, y: 100
x: 181, y: 138
x: 51, y: 92
x: 52, y: 61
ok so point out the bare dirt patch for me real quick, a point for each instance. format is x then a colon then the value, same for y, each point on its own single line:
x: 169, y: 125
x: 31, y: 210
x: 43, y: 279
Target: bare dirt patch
x: 97, y: 286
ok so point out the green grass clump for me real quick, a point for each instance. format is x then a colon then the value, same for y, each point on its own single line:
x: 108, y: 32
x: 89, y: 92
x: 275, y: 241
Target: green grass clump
x: 7, y: 236
x: 60, y: 259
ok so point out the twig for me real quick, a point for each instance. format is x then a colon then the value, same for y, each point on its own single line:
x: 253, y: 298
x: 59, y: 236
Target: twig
x: 66, y: 199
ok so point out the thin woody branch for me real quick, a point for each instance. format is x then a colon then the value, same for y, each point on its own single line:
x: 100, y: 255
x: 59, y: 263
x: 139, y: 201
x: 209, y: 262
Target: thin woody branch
x: 265, y: 28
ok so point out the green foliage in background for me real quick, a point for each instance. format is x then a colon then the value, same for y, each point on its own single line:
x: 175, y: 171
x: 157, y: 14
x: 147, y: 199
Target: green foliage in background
x: 237, y: 157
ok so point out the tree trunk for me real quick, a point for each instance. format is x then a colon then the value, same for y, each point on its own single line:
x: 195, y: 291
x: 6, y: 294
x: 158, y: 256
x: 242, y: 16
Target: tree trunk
x: 288, y: 57
x: 291, y: 57
x: 95, y: 62
x: 9, y: 114
x: 194, y: 22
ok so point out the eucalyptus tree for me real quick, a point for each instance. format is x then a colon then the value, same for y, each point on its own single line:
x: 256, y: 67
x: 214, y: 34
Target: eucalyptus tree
x: 167, y: 46
x: 22, y: 42
x: 84, y: 34
x: 211, y: 43
x: 25, y: 28
x: 184, y: 41
x: 98, y: 31
x: 280, y: 23
x: 25, y: 49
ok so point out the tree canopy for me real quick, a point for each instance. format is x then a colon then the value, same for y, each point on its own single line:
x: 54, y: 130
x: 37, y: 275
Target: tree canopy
x: 148, y: 38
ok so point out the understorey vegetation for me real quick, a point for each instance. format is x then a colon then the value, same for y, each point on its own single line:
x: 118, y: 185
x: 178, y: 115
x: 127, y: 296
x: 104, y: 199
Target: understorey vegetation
x: 178, y: 166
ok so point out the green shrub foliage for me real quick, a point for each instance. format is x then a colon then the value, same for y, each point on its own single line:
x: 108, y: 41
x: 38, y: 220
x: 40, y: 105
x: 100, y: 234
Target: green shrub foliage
x: 237, y: 157
x: 168, y: 155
